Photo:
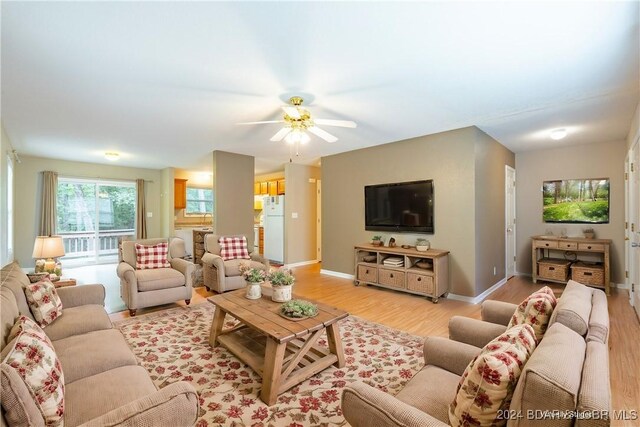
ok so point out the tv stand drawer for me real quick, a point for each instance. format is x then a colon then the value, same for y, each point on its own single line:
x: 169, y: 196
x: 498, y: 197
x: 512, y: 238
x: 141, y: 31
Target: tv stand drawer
x: 420, y: 283
x: 366, y: 273
x: 393, y: 278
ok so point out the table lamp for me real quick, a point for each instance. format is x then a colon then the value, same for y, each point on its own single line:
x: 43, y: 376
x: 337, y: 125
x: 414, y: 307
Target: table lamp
x: 48, y: 247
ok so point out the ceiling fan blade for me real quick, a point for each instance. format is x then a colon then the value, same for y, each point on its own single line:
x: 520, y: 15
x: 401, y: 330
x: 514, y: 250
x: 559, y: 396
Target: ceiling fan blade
x: 322, y: 134
x: 281, y: 134
x: 341, y: 123
x: 292, y: 112
x: 259, y: 123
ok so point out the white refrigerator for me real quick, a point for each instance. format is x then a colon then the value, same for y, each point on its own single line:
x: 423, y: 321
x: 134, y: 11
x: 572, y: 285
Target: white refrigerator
x: 273, y: 214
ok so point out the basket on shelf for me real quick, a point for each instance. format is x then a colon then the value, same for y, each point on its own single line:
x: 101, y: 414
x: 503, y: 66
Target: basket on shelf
x: 588, y: 274
x: 553, y: 269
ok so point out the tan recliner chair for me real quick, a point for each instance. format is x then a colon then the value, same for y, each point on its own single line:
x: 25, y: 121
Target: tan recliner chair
x: 221, y: 276
x: 147, y: 288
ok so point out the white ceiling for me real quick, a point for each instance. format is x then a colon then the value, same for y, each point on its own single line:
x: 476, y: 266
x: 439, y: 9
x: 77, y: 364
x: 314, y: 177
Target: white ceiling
x: 164, y: 83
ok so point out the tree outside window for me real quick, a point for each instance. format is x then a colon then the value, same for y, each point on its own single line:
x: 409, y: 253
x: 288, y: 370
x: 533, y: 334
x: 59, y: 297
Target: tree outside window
x: 199, y: 201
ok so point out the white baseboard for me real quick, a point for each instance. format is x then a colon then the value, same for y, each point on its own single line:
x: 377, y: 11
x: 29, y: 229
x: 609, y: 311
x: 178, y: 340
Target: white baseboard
x: 477, y: 299
x: 619, y: 285
x: 301, y: 263
x: 337, y: 274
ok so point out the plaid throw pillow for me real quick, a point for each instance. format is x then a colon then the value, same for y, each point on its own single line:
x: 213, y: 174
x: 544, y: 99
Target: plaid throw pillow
x: 148, y: 257
x: 233, y: 248
x: 44, y: 302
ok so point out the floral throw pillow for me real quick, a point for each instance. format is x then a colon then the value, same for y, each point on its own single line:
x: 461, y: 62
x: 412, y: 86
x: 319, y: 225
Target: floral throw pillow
x: 44, y: 302
x: 149, y: 257
x: 535, y: 310
x: 35, y: 361
x: 233, y: 248
x: 487, y: 385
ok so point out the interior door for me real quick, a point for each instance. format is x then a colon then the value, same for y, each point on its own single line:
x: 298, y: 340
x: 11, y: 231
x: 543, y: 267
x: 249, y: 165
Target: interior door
x: 319, y: 221
x: 634, y: 225
x: 510, y: 222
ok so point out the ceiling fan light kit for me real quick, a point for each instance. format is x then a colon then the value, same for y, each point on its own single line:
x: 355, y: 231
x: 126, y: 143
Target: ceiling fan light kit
x: 297, y: 121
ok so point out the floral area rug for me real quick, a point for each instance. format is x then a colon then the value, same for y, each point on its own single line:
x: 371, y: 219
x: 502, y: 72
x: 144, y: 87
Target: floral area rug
x: 173, y: 346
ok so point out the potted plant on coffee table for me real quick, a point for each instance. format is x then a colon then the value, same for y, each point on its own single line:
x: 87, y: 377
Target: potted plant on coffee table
x: 254, y: 278
x: 282, y: 281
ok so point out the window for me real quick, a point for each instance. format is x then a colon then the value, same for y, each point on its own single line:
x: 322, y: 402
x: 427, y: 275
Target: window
x: 199, y: 201
x: 93, y: 216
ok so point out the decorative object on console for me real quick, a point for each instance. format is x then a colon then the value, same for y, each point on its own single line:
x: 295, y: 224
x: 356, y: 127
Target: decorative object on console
x: 282, y: 281
x: 423, y: 245
x: 48, y: 247
x: 392, y: 243
x: 298, y: 309
x: 589, y: 233
x: 377, y: 241
x: 254, y: 278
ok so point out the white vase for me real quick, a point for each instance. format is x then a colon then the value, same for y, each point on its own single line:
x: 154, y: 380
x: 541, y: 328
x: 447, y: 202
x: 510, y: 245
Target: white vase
x: 254, y: 290
x: 281, y: 293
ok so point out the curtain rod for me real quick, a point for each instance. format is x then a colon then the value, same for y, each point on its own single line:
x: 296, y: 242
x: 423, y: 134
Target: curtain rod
x: 99, y: 177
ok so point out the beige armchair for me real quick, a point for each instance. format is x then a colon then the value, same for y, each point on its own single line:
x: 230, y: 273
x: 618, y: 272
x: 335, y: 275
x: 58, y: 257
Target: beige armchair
x: 221, y: 276
x: 147, y: 288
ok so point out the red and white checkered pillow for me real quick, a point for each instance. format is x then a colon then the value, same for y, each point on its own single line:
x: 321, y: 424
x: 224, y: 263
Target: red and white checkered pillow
x: 148, y: 257
x: 233, y: 248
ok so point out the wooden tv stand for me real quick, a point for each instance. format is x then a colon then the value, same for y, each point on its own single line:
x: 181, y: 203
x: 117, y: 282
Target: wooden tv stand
x: 432, y: 281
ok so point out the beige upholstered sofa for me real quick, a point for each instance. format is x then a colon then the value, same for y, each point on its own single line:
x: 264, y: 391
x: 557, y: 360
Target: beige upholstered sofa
x: 221, y: 276
x: 148, y: 288
x: 568, y: 371
x: 103, y: 384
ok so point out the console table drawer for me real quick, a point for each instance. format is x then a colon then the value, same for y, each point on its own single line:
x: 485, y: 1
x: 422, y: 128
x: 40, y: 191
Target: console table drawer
x: 568, y: 246
x: 546, y: 244
x: 367, y: 273
x: 420, y: 283
x: 392, y: 278
x: 596, y: 247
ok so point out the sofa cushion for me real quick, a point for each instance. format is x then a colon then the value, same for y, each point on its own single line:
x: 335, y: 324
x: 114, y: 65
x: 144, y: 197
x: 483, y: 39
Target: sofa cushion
x: 9, y: 313
x: 232, y: 267
x: 551, y: 378
x: 18, y: 406
x: 153, y: 256
x: 595, y: 392
x: 487, y: 385
x: 574, y: 308
x: 88, y: 354
x: 233, y: 248
x: 98, y: 394
x: 44, y: 302
x: 78, y: 320
x: 535, y: 310
x: 159, y: 278
x: 15, y: 279
x: 34, y: 359
x: 599, y: 318
x: 431, y: 390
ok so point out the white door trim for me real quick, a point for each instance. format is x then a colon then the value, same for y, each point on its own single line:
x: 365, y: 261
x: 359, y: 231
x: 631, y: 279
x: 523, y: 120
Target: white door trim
x: 508, y: 170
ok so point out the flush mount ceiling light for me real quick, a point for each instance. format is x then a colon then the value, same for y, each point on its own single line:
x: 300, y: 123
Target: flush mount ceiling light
x: 110, y: 155
x: 558, y: 134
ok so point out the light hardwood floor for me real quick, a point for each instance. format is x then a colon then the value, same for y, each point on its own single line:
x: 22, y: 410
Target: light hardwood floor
x: 421, y: 317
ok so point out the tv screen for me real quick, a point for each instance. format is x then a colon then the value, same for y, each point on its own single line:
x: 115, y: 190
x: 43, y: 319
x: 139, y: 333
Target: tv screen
x: 404, y: 206
x: 581, y: 201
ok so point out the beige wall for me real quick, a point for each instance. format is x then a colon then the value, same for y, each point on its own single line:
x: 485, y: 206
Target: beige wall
x: 194, y: 179
x: 301, y: 199
x: 603, y: 160
x: 233, y: 194
x: 634, y: 130
x: 29, y: 184
x: 6, y: 150
x: 447, y: 158
x: 490, y: 160
x: 167, y: 201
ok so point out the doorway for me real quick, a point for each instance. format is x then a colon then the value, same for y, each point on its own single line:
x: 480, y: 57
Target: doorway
x: 632, y: 230
x: 319, y: 220
x: 510, y: 222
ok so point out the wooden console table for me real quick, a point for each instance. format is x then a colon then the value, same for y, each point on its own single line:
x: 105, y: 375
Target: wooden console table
x: 543, y: 247
x: 432, y: 281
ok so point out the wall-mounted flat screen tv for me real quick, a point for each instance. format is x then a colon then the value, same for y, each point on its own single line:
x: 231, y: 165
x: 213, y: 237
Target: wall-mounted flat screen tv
x: 581, y: 201
x: 403, y: 206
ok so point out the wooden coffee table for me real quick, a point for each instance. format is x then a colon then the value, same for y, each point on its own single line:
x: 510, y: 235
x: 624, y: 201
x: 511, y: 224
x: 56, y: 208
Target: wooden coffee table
x: 283, y: 352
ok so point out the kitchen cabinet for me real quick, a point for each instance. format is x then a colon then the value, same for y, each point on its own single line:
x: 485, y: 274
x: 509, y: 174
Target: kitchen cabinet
x: 280, y: 187
x: 256, y: 189
x: 264, y: 188
x: 180, y: 193
x: 273, y: 188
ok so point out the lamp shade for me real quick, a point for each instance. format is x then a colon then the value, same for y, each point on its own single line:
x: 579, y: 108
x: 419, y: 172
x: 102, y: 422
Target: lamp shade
x: 48, y: 247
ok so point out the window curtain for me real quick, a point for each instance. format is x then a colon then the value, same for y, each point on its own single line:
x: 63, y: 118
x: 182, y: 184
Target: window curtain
x: 49, y: 208
x: 141, y: 217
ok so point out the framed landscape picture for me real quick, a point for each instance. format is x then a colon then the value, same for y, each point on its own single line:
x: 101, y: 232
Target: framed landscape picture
x: 581, y: 201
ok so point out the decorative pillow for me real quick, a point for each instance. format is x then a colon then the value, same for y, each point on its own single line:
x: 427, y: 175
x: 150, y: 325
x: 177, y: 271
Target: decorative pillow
x: 34, y: 359
x: 149, y: 257
x: 535, y: 310
x: 233, y: 248
x: 44, y: 302
x: 487, y: 384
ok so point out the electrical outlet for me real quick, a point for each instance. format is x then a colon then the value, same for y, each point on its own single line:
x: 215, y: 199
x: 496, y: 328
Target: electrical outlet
x: 149, y: 214
x: 294, y: 215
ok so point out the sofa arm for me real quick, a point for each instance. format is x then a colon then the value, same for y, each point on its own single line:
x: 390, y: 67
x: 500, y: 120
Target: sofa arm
x: 452, y: 356
x: 175, y: 405
x: 185, y: 267
x: 364, y: 406
x: 255, y: 256
x: 74, y: 296
x: 127, y: 273
x: 213, y: 260
x: 497, y: 312
x: 477, y: 333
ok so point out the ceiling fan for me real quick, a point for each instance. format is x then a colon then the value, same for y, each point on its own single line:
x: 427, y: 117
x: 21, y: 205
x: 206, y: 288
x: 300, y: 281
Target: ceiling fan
x: 297, y: 120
